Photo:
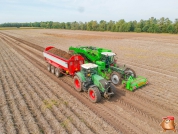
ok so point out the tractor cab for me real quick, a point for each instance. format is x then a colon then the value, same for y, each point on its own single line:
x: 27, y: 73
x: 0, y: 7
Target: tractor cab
x: 108, y: 58
x: 89, y: 69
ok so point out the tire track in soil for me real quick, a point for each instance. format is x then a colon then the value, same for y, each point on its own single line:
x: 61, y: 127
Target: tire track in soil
x: 120, y: 120
x: 25, y: 49
x: 143, y: 113
x: 20, y: 104
x: 117, y: 116
x: 6, y: 113
x: 2, y: 130
x: 48, y: 115
x: 14, y: 112
x: 132, y: 102
x: 125, y: 103
x: 48, y: 98
x: 32, y: 107
x: 41, y: 49
x: 2, y: 104
x: 90, y: 105
x: 25, y: 42
x: 44, y: 97
x: 136, y: 66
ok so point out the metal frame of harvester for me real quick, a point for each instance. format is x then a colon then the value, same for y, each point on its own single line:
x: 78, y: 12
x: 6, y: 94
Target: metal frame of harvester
x: 108, y: 68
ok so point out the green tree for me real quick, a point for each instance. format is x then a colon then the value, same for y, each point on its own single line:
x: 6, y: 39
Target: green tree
x: 110, y: 25
x: 102, y: 25
x: 89, y: 26
x: 94, y: 25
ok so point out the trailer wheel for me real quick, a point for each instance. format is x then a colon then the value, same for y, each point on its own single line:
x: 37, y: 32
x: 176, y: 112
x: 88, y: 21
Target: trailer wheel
x: 77, y: 84
x: 58, y: 72
x: 49, y: 67
x: 52, y: 69
x: 129, y: 72
x: 116, y: 78
x: 94, y: 94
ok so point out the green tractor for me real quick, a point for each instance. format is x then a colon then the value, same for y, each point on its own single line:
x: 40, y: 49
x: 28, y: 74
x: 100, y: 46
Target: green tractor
x: 107, y: 67
x: 88, y: 80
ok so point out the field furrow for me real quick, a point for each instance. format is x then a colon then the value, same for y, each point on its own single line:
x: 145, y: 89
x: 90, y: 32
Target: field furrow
x: 95, y: 125
x: 22, y: 106
x: 53, y: 105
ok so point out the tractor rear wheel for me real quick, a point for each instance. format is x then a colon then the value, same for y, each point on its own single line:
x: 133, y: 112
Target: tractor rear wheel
x: 116, y: 78
x: 58, y: 72
x: 52, y: 69
x: 49, y: 67
x: 113, y: 88
x: 77, y: 83
x: 94, y: 94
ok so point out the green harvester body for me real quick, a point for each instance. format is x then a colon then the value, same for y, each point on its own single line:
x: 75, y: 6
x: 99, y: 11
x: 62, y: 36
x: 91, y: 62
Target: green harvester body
x: 107, y: 67
x: 134, y: 83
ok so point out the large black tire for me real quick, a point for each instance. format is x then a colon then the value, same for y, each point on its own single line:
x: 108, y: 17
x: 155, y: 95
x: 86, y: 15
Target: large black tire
x: 77, y: 84
x: 113, y: 88
x: 49, y: 67
x: 94, y: 94
x: 116, y: 78
x: 129, y: 72
x: 52, y: 69
x: 58, y: 72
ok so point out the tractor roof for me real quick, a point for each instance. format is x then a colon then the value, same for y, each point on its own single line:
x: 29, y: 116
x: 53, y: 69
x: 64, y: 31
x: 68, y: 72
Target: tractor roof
x: 108, y: 53
x: 89, y: 65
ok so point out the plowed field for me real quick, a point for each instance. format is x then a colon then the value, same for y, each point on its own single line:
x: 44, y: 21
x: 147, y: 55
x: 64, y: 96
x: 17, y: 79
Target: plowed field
x: 35, y: 101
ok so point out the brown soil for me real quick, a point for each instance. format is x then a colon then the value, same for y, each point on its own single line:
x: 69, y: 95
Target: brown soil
x: 60, y: 53
x: 33, y: 102
x: 151, y: 55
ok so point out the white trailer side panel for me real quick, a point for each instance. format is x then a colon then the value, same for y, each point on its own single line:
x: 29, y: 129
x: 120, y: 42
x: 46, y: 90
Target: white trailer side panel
x: 58, y: 61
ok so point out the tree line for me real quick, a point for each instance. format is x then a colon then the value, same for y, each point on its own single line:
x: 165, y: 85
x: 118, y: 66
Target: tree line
x: 152, y: 25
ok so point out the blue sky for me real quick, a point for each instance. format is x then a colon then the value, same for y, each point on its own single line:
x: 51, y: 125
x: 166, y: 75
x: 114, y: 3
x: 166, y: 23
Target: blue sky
x: 86, y: 10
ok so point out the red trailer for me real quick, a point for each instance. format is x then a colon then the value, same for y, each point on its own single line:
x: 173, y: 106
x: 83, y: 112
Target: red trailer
x: 59, y: 64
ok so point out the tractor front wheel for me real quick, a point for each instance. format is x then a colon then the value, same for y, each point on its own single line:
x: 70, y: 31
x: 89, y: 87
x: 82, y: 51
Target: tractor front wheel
x: 77, y: 84
x: 52, y: 69
x: 58, y: 72
x: 116, y: 78
x: 94, y: 94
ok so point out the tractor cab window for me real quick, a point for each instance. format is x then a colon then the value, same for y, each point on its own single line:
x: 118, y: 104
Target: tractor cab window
x: 108, y: 59
x: 111, y: 59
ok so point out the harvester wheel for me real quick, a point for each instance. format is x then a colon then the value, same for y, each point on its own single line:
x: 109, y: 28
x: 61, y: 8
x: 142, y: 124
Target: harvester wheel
x: 77, y: 84
x: 58, y: 72
x: 129, y: 72
x: 94, y: 94
x: 52, y: 69
x: 116, y: 78
x: 49, y: 67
